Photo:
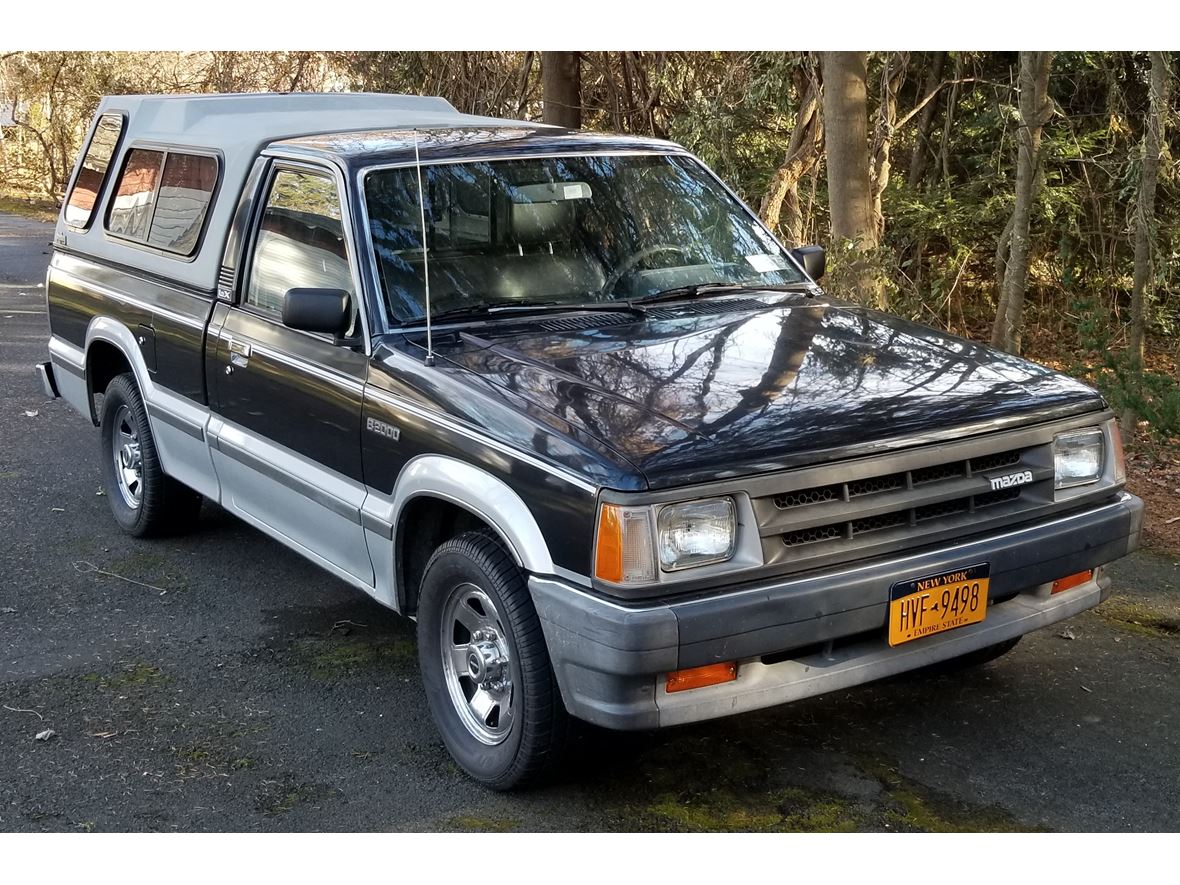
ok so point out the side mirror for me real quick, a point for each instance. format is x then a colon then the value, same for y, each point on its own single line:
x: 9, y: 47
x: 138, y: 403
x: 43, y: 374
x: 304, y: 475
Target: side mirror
x: 813, y: 260
x: 318, y: 310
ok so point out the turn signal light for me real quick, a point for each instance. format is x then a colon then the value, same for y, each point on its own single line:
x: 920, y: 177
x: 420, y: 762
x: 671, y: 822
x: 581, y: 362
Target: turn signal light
x: 1071, y: 581
x: 699, y: 677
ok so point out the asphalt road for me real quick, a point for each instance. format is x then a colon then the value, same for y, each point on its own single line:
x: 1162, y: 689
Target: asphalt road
x: 222, y: 683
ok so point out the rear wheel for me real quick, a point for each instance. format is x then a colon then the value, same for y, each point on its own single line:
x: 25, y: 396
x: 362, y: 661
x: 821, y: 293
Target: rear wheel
x: 485, y: 667
x: 144, y: 500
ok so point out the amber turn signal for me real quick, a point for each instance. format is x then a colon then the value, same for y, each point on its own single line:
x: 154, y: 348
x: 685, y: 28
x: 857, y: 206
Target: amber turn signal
x: 699, y: 677
x: 608, y: 559
x: 1071, y: 581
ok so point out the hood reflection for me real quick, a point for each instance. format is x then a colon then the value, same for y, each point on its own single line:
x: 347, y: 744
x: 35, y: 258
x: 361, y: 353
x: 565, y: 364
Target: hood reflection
x: 714, y: 395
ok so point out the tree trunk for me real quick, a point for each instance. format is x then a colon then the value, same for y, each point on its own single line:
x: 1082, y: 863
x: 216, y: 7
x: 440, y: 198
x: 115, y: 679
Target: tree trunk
x: 1153, y: 142
x: 892, y: 78
x: 803, y: 155
x: 1034, y: 113
x: 920, y: 158
x: 561, y: 89
x: 846, y: 121
x: 948, y: 122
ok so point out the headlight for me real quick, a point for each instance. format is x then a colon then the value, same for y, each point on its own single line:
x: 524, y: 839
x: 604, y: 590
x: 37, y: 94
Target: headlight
x: 1077, y: 457
x: 696, y: 533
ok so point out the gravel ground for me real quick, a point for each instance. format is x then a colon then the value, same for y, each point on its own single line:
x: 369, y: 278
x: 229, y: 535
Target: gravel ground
x: 219, y: 682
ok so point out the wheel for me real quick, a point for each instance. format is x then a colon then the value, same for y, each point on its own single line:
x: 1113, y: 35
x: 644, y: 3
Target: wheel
x: 485, y: 667
x: 974, y: 658
x: 143, y: 499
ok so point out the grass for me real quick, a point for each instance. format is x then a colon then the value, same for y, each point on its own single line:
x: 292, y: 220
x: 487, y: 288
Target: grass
x: 29, y: 207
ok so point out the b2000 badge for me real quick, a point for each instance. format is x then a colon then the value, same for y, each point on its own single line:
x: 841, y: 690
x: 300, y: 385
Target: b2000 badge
x: 382, y: 429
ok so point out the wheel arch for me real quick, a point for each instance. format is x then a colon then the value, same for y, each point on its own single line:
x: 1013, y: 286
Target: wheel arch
x: 111, y: 350
x: 441, y: 485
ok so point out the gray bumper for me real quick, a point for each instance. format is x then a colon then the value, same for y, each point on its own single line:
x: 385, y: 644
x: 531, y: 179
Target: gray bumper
x: 610, y: 658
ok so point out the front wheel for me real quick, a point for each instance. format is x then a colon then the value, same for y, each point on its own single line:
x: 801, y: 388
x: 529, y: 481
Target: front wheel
x: 485, y: 666
x: 144, y: 500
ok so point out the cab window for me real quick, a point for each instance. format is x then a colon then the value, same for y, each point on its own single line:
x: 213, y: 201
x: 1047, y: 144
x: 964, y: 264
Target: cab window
x: 300, y: 241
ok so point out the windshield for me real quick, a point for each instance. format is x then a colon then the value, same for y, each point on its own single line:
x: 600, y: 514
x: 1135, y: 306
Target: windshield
x: 565, y: 230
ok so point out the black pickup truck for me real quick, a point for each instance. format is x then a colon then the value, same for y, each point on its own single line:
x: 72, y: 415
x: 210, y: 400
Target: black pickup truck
x: 564, y: 400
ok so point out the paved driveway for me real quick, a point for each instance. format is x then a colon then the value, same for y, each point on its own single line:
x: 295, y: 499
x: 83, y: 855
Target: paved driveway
x: 222, y: 683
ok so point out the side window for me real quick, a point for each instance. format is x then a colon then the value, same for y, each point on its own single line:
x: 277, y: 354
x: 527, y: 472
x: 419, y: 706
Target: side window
x: 92, y: 175
x: 162, y: 199
x: 186, y: 189
x: 300, y: 241
x: 130, y: 215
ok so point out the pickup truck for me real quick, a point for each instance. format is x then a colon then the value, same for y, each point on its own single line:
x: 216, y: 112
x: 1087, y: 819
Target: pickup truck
x: 564, y: 400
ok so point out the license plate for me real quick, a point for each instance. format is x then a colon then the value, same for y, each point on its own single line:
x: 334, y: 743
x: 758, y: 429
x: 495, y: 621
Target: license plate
x: 937, y: 603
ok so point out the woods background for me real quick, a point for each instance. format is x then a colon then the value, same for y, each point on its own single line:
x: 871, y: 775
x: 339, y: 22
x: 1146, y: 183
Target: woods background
x: 1029, y: 199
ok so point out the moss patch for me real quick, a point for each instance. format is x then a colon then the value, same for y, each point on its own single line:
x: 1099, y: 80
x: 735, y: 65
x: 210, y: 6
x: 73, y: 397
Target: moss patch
x: 1140, y: 618
x: 909, y: 807
x: 131, y: 676
x: 474, y: 823
x: 149, y: 567
x: 336, y: 657
x: 282, y: 797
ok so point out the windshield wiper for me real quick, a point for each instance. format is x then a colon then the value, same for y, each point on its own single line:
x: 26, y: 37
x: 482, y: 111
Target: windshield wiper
x: 687, y: 291
x: 679, y: 292
x: 489, y: 309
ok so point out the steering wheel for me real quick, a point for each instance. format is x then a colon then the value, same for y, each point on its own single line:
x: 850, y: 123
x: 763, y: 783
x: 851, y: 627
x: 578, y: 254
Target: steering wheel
x: 633, y: 259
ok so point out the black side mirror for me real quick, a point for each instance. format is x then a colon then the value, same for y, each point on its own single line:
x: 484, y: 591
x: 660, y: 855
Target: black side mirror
x: 813, y: 260
x: 318, y: 310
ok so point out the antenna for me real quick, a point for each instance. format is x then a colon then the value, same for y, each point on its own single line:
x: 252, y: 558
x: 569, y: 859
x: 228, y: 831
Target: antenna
x: 425, y: 252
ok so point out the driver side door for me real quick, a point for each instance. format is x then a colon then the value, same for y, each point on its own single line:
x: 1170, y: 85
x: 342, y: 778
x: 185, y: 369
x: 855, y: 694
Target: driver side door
x: 286, y: 432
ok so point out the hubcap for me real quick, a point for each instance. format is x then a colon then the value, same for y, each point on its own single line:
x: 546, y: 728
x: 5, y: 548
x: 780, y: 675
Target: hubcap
x: 128, y: 457
x: 477, y: 663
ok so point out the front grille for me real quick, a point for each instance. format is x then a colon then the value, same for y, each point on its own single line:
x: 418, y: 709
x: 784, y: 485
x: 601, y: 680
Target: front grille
x: 928, y: 495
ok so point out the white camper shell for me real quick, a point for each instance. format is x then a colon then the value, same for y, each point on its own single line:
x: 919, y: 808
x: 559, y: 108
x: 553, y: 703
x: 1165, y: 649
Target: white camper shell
x: 233, y: 130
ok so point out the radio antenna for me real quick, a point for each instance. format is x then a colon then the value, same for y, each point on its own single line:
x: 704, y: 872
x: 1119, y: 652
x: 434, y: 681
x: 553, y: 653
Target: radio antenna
x: 425, y: 252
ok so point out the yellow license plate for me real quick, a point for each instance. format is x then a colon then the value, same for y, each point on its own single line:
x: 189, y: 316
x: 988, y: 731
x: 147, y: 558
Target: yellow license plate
x: 937, y: 603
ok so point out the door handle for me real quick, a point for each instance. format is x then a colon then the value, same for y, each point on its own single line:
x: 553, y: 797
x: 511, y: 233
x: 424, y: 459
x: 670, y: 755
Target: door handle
x: 239, y: 353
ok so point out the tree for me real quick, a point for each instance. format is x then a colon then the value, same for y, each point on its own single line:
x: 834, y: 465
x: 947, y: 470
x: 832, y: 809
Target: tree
x: 561, y: 89
x: 804, y: 152
x: 1035, y: 110
x: 850, y: 197
x: 1144, y: 223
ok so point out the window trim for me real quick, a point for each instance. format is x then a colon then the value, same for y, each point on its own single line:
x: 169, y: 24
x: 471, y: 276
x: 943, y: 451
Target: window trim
x: 276, y: 165
x: 165, y: 149
x: 99, y: 195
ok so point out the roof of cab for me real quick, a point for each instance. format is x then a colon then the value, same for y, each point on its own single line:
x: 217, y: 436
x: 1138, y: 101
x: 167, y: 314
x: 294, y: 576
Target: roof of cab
x: 238, y: 127
x: 504, y: 140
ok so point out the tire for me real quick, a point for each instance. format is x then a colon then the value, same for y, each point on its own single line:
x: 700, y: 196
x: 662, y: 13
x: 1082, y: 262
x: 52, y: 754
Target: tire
x: 144, y: 500
x: 974, y: 658
x: 475, y: 602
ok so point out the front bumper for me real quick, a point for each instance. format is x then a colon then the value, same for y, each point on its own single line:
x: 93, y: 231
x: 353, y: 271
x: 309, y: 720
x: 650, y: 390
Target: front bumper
x: 610, y: 658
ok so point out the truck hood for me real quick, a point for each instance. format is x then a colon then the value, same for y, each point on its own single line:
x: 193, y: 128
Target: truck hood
x: 754, y: 386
